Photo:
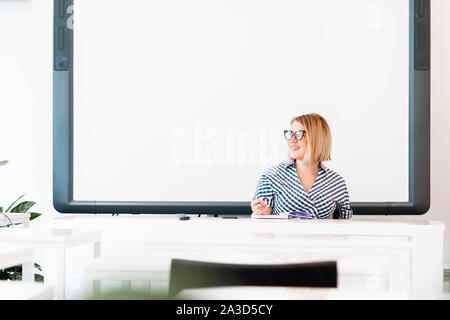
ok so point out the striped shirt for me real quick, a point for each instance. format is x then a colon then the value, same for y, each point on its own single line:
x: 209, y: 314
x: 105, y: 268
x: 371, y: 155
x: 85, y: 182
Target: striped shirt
x: 280, y: 187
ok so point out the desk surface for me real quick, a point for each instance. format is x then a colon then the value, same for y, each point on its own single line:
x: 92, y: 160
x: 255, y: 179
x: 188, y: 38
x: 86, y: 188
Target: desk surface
x: 15, y: 218
x: 18, y: 290
x: 419, y: 242
x: 285, y: 293
x: 11, y: 256
x: 47, y: 235
x: 164, y: 223
x: 172, y: 217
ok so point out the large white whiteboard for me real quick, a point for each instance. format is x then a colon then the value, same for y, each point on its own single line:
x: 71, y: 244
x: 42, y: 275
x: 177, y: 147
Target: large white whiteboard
x: 186, y: 100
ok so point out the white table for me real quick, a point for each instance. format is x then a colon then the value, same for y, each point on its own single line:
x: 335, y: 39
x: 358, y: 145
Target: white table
x: 23, y: 218
x: 128, y: 268
x: 358, y: 267
x: 354, y: 271
x: 11, y: 256
x: 16, y: 290
x: 416, y: 247
x: 423, y: 240
x: 55, y: 239
x: 293, y: 293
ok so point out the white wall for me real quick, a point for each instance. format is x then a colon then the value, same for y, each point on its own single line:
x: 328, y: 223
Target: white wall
x: 26, y: 108
x: 26, y: 102
x: 440, y: 128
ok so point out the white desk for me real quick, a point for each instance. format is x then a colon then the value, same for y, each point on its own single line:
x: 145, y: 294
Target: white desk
x: 125, y: 268
x: 23, y: 218
x: 56, y: 239
x: 14, y: 290
x: 354, y: 271
x: 286, y: 293
x: 425, y: 241
x: 11, y: 256
x: 416, y: 247
x: 359, y: 267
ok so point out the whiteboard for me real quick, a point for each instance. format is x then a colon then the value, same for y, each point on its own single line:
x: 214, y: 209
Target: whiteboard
x: 182, y: 100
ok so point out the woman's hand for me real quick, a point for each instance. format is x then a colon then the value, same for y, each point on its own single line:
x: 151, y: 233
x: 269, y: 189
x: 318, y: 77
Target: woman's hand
x: 260, y: 207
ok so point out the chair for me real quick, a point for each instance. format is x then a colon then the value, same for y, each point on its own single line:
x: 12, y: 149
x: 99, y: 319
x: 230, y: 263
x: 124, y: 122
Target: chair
x: 336, y: 214
x: 186, y: 274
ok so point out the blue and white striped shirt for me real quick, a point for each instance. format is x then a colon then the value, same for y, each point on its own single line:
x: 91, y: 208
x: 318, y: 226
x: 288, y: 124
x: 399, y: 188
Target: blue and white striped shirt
x: 280, y: 187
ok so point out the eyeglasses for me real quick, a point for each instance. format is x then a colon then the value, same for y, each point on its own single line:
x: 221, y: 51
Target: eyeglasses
x: 298, y: 135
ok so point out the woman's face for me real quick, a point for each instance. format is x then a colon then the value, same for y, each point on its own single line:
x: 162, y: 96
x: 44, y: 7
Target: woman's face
x: 297, y: 149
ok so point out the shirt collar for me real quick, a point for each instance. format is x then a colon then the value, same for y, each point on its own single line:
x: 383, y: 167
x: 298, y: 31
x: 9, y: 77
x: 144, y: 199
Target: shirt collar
x: 291, y: 163
x: 288, y: 164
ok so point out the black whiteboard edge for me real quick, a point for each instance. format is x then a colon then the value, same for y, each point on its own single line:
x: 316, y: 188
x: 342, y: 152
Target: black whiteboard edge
x: 239, y: 208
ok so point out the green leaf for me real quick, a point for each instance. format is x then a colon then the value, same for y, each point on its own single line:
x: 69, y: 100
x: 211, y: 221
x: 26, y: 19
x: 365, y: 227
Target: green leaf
x: 7, y: 210
x: 6, y: 274
x: 38, y: 278
x: 4, y: 163
x: 1, y: 209
x: 18, y: 275
x: 34, y: 215
x: 23, y: 207
x: 37, y: 266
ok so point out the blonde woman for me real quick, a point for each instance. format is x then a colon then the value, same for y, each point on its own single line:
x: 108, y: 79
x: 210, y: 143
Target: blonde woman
x: 304, y: 184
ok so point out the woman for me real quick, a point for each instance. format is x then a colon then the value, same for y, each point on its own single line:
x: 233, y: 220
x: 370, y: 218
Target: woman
x: 304, y: 183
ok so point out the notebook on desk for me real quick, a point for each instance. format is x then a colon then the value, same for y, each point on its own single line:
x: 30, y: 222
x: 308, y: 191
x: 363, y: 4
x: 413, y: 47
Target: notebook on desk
x: 285, y: 215
x: 270, y: 216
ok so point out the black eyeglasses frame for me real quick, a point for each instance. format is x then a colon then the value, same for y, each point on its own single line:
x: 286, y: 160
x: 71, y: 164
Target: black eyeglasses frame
x: 288, y: 134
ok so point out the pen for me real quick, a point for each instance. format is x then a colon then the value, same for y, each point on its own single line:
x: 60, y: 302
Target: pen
x: 301, y: 213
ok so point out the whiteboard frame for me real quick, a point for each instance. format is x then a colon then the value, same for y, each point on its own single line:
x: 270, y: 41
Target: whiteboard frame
x: 419, y: 134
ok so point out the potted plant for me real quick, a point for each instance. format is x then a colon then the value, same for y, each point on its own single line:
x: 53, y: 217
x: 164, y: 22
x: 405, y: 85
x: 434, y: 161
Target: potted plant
x: 15, y: 273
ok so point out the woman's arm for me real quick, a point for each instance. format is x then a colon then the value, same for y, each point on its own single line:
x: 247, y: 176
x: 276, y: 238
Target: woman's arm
x: 343, y: 204
x: 263, y: 200
x: 260, y: 207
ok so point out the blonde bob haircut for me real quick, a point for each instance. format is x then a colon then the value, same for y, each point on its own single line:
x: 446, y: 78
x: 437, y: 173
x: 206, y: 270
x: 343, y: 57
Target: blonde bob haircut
x: 318, y: 135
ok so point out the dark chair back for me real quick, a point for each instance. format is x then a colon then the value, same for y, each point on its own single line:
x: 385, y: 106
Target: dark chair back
x: 186, y: 274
